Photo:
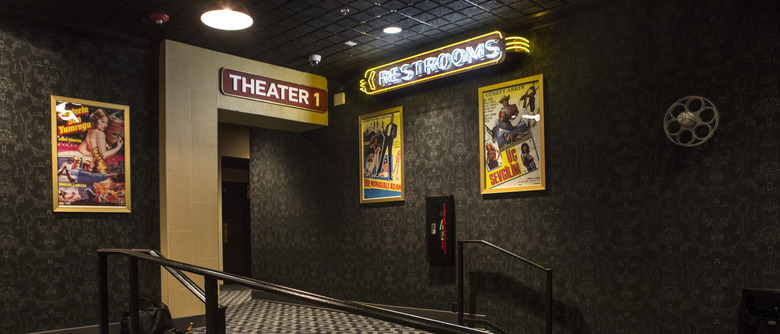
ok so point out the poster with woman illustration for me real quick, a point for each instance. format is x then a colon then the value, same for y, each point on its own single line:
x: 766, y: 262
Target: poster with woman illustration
x: 90, y: 156
x: 511, y: 115
x: 381, y: 156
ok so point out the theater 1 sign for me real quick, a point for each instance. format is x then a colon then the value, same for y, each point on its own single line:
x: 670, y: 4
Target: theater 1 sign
x: 255, y: 87
x: 481, y: 51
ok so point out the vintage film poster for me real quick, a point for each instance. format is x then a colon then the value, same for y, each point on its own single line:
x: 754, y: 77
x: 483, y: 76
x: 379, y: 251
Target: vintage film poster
x: 382, y: 156
x: 90, y: 155
x: 512, y: 133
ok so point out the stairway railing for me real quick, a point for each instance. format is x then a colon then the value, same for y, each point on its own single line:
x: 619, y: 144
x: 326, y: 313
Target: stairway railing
x: 176, y: 273
x: 548, y: 272
x: 215, y: 325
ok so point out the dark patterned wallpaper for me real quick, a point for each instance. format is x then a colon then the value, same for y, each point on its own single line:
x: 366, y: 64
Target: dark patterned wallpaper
x: 48, y: 263
x: 644, y: 236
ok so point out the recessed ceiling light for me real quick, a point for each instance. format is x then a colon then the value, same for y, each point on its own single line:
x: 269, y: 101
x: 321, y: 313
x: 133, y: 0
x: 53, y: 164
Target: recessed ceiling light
x: 350, y: 43
x: 392, y: 30
x: 228, y: 16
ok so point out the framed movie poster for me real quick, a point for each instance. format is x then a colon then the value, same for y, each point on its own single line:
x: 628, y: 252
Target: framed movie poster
x: 90, y: 145
x: 511, y: 116
x: 381, y: 156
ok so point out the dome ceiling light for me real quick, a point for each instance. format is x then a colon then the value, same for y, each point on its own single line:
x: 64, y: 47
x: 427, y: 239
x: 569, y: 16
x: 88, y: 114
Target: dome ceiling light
x: 392, y: 30
x: 227, y: 15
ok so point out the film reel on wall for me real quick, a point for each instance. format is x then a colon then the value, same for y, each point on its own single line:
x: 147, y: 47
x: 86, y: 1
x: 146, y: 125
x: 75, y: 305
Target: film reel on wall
x: 691, y: 121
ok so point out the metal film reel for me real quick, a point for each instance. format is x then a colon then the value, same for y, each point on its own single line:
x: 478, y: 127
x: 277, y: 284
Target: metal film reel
x: 691, y: 121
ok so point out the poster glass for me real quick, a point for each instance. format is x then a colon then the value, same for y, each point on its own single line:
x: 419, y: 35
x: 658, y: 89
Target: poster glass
x: 90, y: 156
x: 381, y: 156
x: 512, y: 136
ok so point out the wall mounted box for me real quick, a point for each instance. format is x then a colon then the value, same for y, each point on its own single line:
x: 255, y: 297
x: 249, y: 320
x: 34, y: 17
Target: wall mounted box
x: 440, y: 229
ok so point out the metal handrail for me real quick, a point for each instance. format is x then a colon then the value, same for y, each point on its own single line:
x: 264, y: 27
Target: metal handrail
x: 211, y: 277
x: 176, y: 273
x: 548, y: 272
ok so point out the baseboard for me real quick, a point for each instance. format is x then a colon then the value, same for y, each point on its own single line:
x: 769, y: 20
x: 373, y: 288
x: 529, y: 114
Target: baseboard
x: 115, y: 328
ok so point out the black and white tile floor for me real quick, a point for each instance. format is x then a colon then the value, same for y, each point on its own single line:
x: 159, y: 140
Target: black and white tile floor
x: 247, y: 315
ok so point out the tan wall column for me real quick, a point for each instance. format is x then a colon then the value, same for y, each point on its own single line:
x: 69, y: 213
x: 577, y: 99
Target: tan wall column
x: 189, y: 169
x: 191, y: 105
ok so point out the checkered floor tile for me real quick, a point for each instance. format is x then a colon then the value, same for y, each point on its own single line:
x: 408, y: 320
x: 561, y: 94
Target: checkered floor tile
x: 247, y: 315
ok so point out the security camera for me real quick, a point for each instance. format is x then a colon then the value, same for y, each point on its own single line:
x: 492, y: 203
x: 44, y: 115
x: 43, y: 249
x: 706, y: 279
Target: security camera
x: 315, y: 59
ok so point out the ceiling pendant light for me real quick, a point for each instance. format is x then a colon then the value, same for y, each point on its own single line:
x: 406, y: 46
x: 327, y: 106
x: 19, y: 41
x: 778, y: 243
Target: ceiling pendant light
x: 227, y: 15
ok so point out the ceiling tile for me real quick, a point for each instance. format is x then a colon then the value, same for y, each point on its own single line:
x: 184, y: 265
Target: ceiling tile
x: 285, y: 31
x: 426, y: 5
x: 394, y: 5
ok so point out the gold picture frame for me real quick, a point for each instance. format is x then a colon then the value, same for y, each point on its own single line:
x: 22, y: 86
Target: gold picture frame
x: 382, y: 135
x: 511, y: 117
x: 90, y: 145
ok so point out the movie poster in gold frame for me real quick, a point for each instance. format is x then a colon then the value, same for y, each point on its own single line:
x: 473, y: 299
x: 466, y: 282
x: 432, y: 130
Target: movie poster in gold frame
x: 90, y: 145
x: 382, y: 156
x: 511, y: 117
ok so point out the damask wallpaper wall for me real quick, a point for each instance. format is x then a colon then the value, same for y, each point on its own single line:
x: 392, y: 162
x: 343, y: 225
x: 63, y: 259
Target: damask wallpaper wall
x: 48, y: 264
x: 644, y: 236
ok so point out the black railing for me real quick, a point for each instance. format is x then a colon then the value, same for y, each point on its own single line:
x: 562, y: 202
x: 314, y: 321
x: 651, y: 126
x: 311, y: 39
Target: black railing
x: 219, y: 317
x: 213, y: 323
x: 548, y: 272
x: 176, y: 273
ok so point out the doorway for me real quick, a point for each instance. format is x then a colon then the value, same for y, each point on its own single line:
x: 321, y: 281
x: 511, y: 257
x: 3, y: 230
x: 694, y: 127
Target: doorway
x: 236, y: 222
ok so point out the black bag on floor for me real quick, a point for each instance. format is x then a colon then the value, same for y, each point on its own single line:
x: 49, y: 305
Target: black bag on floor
x: 153, y: 318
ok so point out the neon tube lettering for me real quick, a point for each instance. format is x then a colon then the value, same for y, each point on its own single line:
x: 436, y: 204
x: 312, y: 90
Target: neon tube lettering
x: 395, y: 75
x: 418, y: 67
x: 408, y: 72
x: 384, y: 78
x: 430, y: 65
x: 459, y: 57
x: 443, y: 61
x: 477, y: 54
x: 492, y: 45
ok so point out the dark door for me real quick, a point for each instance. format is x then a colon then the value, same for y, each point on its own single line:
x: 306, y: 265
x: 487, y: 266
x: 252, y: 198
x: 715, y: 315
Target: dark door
x: 236, y: 232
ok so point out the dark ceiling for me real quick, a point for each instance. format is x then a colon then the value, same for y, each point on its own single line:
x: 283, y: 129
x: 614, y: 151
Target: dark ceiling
x: 286, y: 32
